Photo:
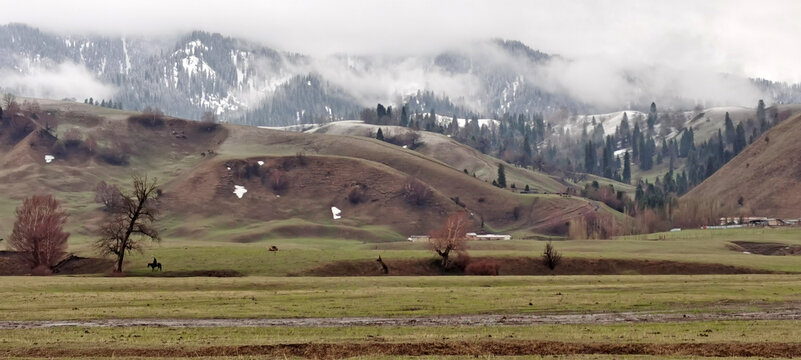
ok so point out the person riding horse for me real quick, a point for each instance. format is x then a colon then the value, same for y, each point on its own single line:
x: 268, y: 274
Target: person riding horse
x: 155, y: 264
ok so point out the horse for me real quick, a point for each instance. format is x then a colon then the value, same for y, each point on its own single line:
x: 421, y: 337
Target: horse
x: 155, y: 264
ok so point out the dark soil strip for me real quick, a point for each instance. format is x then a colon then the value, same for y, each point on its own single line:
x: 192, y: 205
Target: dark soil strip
x: 459, y: 320
x: 444, y: 348
x: 532, y: 266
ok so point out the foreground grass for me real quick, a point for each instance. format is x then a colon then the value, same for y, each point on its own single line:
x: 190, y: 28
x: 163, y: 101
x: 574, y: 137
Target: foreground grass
x: 155, y: 337
x: 60, y: 298
x: 196, y: 339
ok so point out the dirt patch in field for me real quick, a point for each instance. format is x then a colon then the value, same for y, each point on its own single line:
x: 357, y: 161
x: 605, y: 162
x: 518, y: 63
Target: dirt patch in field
x: 11, y: 264
x: 785, y: 312
x: 532, y: 266
x: 436, y: 348
x: 765, y: 248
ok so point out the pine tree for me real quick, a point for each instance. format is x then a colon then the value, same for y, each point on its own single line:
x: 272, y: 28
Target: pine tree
x: 404, y: 120
x: 730, y: 132
x: 739, y: 139
x: 625, y: 132
x: 379, y: 135
x: 762, y: 117
x: 626, y: 168
x: 652, y: 117
x: 635, y: 141
x: 501, y: 176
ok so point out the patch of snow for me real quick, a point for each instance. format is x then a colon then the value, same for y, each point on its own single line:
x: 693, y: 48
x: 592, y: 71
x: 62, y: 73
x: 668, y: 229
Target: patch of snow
x: 308, y: 83
x: 405, y: 146
x: 127, y: 59
x: 747, y: 252
x: 336, y: 212
x: 49, y: 158
x: 261, y: 163
x: 240, y: 191
x: 620, y: 152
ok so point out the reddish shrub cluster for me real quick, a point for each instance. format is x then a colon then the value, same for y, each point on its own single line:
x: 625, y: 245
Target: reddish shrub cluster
x: 483, y: 267
x: 416, y: 192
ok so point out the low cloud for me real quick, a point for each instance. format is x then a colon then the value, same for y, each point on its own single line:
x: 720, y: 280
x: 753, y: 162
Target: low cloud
x: 65, y: 80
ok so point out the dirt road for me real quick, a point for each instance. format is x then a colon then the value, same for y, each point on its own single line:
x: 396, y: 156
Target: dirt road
x: 463, y: 320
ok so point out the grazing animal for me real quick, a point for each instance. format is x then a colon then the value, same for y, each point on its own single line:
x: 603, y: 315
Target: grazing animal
x: 383, y: 265
x: 154, y: 265
x: 273, y: 248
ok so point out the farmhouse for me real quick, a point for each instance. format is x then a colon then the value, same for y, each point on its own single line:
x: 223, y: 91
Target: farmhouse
x: 469, y: 236
x: 756, y: 221
x: 474, y: 236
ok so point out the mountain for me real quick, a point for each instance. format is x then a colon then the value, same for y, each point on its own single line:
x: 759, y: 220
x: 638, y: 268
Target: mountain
x: 244, y: 82
x: 763, y: 180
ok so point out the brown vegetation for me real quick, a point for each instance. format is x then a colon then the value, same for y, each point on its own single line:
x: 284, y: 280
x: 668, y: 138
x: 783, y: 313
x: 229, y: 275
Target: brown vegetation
x: 416, y: 192
x: 483, y: 267
x: 550, y: 257
x: 532, y: 266
x: 38, y: 234
x: 452, y: 237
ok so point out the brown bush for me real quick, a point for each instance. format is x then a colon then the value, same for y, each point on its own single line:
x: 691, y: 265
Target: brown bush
x: 278, y: 181
x: 358, y: 194
x: 151, y: 118
x: 416, y: 192
x: 108, y: 195
x: 113, y: 156
x: 483, y: 267
x: 452, y: 237
x: 593, y: 226
x: 550, y: 257
x: 38, y: 234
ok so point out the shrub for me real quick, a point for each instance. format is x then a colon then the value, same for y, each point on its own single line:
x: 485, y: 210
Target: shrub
x: 416, y: 192
x: 550, y: 257
x: 114, y: 156
x: 38, y: 234
x: 278, y: 181
x: 358, y: 194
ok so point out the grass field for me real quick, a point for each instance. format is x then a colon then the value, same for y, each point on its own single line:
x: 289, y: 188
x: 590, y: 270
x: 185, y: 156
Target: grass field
x: 300, y: 254
x: 268, y: 293
x: 62, y: 298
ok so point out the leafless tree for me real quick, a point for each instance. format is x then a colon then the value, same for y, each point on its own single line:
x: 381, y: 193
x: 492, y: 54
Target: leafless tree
x: 451, y: 237
x: 278, y: 180
x: 209, y: 117
x: 416, y: 192
x: 131, y: 222
x: 38, y: 233
x: 108, y: 195
x: 550, y: 257
x: 9, y: 100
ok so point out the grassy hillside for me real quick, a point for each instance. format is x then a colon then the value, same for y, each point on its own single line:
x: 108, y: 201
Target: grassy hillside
x: 765, y: 175
x: 199, y: 165
x: 454, y: 154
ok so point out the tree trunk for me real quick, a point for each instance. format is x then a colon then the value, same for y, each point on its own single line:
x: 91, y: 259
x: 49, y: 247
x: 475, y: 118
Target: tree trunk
x: 444, y: 259
x: 120, y: 257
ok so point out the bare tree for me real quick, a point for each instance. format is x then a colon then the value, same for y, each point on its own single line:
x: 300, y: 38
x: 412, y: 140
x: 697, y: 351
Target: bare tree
x: 108, y: 195
x: 131, y: 222
x: 209, y: 117
x: 451, y: 237
x: 38, y: 233
x: 550, y: 257
x: 9, y: 100
x: 416, y: 192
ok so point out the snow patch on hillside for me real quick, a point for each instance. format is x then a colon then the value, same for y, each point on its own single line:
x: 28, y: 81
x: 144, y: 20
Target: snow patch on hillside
x: 240, y: 191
